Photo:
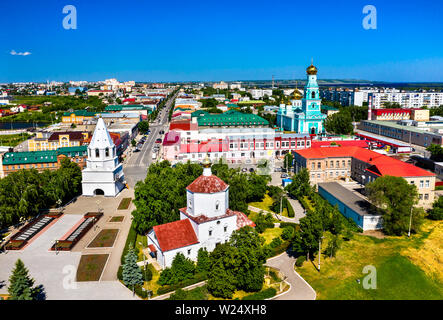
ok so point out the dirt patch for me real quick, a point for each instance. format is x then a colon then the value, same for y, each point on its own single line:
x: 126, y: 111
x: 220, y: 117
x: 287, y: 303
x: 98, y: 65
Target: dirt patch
x: 91, y: 267
x: 104, y: 239
x: 374, y: 233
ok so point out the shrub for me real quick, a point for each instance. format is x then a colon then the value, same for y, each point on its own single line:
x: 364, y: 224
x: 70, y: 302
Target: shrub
x: 291, y: 213
x: 300, y: 260
x: 130, y: 240
x: 263, y: 222
x: 120, y: 273
x: 168, y: 288
x: 275, y: 243
x: 147, y: 273
x: 140, y: 292
x: 262, y: 295
x: 288, y: 233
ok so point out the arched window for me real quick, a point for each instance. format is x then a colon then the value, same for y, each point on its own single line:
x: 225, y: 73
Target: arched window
x: 217, y: 205
x: 107, y: 152
x: 313, y: 95
x: 97, y: 153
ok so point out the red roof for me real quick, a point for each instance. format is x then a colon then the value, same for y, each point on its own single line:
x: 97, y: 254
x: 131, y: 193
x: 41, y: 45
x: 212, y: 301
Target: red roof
x: 73, y: 135
x: 381, y: 164
x: 152, y: 248
x: 201, y: 218
x: 242, y: 219
x: 171, y: 138
x: 177, y: 234
x: 394, y: 110
x: 207, y: 184
x: 180, y: 125
x: 342, y: 143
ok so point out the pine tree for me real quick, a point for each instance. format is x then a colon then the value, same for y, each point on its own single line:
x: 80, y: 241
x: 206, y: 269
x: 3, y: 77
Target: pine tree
x: 132, y: 274
x: 21, y: 284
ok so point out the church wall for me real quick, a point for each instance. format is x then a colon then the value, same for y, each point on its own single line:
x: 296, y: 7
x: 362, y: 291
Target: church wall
x: 205, y: 203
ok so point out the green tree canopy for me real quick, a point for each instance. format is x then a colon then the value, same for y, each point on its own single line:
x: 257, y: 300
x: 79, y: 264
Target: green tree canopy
x: 396, y: 198
x: 21, y: 285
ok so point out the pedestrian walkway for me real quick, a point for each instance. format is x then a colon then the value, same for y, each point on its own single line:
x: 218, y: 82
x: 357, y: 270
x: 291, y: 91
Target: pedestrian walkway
x: 300, y: 289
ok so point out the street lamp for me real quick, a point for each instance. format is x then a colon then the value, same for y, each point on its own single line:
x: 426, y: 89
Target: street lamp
x: 144, y: 261
x: 55, y: 246
x: 319, y: 251
x: 410, y: 223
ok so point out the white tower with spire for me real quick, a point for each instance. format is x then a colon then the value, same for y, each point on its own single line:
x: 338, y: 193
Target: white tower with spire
x: 103, y: 174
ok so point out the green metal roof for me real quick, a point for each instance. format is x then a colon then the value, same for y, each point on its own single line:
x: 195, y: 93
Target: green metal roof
x: 328, y: 108
x: 29, y: 157
x: 10, y: 158
x: 232, y: 118
x: 80, y: 113
x: 199, y: 113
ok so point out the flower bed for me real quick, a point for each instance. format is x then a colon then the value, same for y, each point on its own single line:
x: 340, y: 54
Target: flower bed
x: 116, y: 219
x: 104, y: 239
x: 15, y: 244
x: 124, y: 204
x: 91, y: 267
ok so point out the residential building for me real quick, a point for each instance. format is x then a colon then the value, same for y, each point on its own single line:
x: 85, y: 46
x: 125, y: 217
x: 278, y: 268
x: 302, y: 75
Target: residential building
x: 78, y: 116
x: 51, y: 141
x: 345, y: 97
x: 399, y: 114
x: 205, y: 222
x: 221, y: 85
x: 408, y: 99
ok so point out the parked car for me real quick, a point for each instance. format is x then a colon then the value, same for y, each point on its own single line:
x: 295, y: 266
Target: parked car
x: 251, y: 170
x: 244, y: 170
x: 162, y: 131
x: 158, y: 140
x: 284, y: 175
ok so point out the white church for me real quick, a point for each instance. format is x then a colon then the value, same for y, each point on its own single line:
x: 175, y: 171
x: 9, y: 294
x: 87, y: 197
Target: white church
x: 205, y: 222
x: 103, y: 174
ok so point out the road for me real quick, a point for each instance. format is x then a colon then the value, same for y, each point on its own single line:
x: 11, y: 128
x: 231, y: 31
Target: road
x: 136, y: 165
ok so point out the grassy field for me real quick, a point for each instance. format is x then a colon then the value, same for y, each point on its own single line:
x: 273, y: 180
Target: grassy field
x: 271, y: 233
x: 139, y: 248
x: 104, y: 239
x: 91, y: 266
x: 264, y: 205
x: 405, y: 268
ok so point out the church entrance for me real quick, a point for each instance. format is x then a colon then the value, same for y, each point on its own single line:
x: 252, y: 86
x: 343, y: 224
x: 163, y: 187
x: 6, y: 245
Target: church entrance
x: 312, y: 130
x: 99, y: 192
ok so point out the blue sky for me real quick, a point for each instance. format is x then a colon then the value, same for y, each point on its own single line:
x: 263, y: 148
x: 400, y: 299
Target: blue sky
x: 146, y: 40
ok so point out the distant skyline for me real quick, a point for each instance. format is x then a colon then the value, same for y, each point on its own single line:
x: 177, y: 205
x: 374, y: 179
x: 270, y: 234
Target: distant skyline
x: 227, y: 40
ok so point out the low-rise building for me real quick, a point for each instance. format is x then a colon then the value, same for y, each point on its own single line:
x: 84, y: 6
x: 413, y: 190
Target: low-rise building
x: 52, y: 141
x: 78, y: 116
x: 327, y: 164
x: 42, y: 160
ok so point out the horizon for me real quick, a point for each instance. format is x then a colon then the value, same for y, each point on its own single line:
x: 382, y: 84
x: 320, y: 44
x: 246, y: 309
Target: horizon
x: 210, y: 42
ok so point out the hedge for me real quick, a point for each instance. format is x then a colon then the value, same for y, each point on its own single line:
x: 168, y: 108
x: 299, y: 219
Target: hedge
x: 300, y: 260
x: 261, y: 295
x: 289, y: 224
x: 291, y: 213
x: 168, y: 288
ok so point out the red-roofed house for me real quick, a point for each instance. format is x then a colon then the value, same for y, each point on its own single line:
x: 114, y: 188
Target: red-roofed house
x: 332, y: 163
x: 205, y: 222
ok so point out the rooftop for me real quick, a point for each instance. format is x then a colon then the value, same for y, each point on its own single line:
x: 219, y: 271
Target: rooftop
x: 177, y: 234
x: 231, y: 118
x: 360, y: 205
x: 207, y: 184
x: 381, y: 164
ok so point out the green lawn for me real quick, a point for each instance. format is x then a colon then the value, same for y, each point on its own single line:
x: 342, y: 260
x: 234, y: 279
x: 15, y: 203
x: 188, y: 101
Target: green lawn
x: 91, y: 267
x: 398, y: 277
x: 264, y: 205
x: 124, y: 204
x: 271, y: 233
x: 138, y: 248
x: 13, y: 140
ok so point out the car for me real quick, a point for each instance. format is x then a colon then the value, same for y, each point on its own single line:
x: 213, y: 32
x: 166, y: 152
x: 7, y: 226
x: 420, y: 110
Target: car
x: 251, y: 170
x: 277, y: 169
x: 284, y: 175
x: 158, y: 140
x: 244, y: 169
x: 162, y: 132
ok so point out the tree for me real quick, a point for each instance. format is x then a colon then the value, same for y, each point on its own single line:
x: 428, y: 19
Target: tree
x: 132, y: 274
x: 133, y: 142
x: 300, y: 185
x: 288, y: 161
x: 21, y: 285
x: 203, y: 261
x: 332, y: 247
x: 311, y: 230
x: 143, y: 126
x: 221, y: 278
x: 396, y: 198
x: 339, y: 123
x: 436, y: 213
x: 436, y: 152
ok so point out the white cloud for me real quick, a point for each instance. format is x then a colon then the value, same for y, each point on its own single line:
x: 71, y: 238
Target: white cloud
x: 14, y: 53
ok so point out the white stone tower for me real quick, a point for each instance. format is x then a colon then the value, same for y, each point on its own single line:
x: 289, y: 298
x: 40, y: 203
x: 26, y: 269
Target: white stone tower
x: 103, y: 174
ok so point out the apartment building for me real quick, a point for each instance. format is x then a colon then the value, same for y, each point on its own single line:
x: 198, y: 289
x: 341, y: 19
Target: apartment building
x: 53, y: 140
x: 408, y: 99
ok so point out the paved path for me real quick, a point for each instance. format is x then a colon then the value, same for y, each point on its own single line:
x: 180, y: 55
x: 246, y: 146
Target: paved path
x: 300, y: 289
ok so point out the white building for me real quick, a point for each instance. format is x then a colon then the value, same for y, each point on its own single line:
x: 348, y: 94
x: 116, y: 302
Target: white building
x: 103, y: 174
x: 408, y: 99
x: 205, y: 222
x: 345, y: 97
x: 222, y: 85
